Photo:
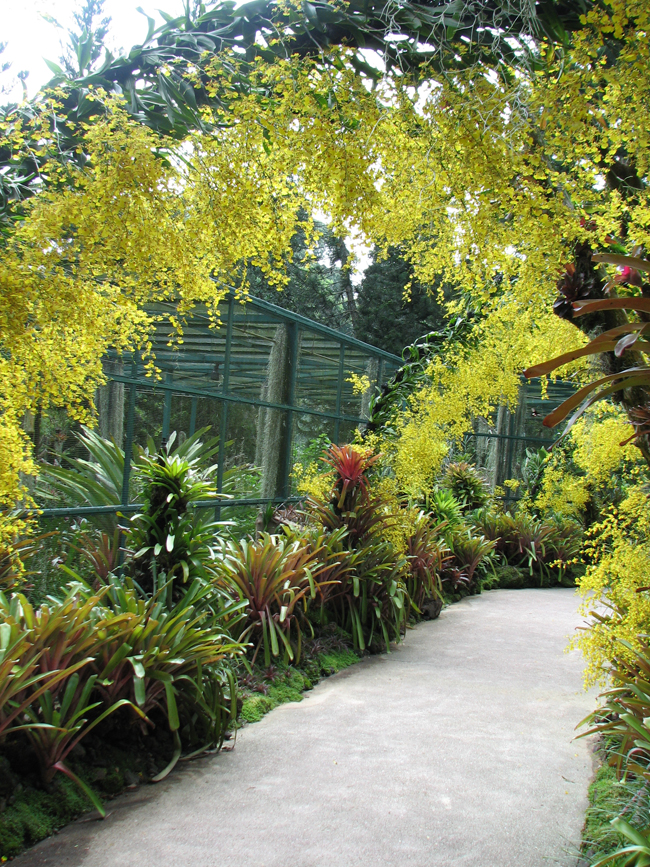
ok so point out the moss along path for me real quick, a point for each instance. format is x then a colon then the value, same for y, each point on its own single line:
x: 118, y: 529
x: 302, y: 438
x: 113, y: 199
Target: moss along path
x: 455, y: 749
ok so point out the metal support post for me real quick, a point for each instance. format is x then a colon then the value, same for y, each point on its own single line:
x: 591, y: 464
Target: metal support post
x: 339, y: 393
x: 225, y: 385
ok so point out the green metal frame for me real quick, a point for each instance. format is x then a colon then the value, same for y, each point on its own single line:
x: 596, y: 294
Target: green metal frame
x: 236, y: 347
x: 226, y: 361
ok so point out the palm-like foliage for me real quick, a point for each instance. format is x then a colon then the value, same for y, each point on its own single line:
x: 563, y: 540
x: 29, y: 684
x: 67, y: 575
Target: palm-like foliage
x: 628, y: 336
x: 96, y: 481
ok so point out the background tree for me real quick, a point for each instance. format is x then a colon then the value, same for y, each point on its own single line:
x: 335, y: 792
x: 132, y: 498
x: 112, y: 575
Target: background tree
x: 385, y: 317
x: 316, y: 288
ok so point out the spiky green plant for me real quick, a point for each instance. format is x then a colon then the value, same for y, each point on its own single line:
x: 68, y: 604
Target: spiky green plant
x: 466, y: 484
x: 171, y: 542
x: 444, y: 510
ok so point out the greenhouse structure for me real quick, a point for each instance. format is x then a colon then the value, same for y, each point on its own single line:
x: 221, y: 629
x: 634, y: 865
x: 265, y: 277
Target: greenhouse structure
x: 269, y: 382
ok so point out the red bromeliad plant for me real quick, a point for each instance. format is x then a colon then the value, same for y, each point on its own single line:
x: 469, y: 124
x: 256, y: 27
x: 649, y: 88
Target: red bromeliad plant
x: 46, y: 678
x: 351, y: 467
x: 427, y: 555
x: 467, y: 553
x: 102, y: 552
x: 351, y: 503
x: 371, y: 598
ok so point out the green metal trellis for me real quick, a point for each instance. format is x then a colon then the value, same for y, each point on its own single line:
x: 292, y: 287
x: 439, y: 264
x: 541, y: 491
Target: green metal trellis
x: 227, y: 367
x: 268, y: 380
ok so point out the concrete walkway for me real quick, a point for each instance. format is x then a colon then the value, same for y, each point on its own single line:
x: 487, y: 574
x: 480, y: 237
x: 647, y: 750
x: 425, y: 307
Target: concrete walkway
x: 453, y: 751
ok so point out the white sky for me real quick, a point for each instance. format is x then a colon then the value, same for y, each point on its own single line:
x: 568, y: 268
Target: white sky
x: 30, y: 38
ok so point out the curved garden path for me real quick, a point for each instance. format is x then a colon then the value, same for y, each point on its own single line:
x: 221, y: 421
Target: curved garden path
x: 453, y: 751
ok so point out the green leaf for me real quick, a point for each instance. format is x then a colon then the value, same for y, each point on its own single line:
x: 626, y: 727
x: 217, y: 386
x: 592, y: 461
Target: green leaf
x: 172, y: 709
x: 53, y: 67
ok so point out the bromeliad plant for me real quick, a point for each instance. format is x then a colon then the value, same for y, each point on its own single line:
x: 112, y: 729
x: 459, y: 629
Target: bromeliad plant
x: 350, y: 503
x: 525, y: 541
x: 47, y: 681
x: 371, y: 600
x: 466, y: 484
x: 164, y: 659
x: 444, y: 509
x: 623, y: 719
x: 275, y: 579
x: 54, y: 726
x: 427, y: 555
x: 171, y: 545
x: 467, y: 553
x: 625, y: 711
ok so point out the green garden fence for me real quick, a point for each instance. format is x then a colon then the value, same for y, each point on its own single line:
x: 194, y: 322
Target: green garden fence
x: 265, y: 380
x: 269, y: 383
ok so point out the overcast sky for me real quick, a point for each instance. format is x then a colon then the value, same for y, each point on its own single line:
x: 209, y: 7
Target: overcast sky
x: 30, y: 38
